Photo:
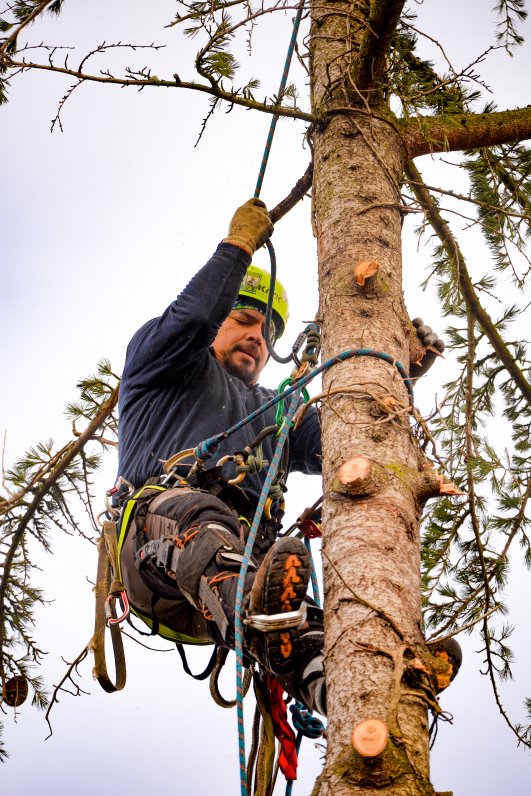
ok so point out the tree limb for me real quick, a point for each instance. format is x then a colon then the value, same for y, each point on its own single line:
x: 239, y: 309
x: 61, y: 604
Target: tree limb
x: 74, y: 450
x: 298, y: 191
x: 376, y: 40
x: 213, y: 90
x: 466, y: 285
x: 428, y: 134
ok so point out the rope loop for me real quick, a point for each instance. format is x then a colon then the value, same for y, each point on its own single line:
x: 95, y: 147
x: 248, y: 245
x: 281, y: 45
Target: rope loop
x: 305, y: 723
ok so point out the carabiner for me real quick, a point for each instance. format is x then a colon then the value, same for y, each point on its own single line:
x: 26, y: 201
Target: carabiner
x: 110, y: 608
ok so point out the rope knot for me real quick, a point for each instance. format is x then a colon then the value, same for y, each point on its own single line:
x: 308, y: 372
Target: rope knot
x: 206, y: 449
x: 304, y: 722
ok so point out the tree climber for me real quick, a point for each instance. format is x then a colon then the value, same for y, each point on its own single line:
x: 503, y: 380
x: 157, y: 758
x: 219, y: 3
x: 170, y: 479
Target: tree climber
x: 188, y: 375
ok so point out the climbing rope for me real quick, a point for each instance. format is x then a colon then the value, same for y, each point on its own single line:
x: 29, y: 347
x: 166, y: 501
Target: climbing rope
x: 208, y: 447
x: 238, y: 623
x: 283, y: 81
x: 260, y: 180
x: 269, y: 311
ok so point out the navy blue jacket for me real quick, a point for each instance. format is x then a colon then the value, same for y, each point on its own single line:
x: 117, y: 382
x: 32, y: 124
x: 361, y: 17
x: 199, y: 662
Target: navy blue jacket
x: 174, y: 393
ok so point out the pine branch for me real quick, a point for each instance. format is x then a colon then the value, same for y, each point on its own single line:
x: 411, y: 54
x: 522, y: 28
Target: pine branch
x: 208, y: 7
x: 473, y: 304
x: 478, y: 202
x: 491, y: 669
x: 10, y: 41
x: 74, y: 450
x: 512, y: 12
x: 231, y: 97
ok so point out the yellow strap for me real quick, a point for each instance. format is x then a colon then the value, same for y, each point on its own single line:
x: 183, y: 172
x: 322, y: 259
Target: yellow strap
x: 97, y: 645
x: 265, y: 762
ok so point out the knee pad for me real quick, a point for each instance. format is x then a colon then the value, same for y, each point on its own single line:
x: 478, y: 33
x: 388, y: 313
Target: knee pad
x: 173, y: 567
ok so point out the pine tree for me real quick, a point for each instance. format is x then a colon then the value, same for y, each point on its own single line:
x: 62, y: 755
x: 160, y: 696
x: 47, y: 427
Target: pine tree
x: 375, y: 106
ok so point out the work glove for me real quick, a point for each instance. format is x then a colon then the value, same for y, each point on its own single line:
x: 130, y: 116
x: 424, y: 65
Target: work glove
x: 250, y: 226
x: 425, y: 349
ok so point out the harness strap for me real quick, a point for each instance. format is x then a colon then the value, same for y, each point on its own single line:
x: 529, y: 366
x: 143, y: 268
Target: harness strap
x: 209, y: 667
x: 221, y: 657
x: 211, y: 601
x: 107, y: 583
x: 265, y: 753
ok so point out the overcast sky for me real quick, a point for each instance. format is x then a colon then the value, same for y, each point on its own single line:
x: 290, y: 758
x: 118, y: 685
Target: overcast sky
x: 101, y: 226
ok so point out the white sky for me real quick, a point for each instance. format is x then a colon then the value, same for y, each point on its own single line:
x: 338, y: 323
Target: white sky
x: 100, y: 227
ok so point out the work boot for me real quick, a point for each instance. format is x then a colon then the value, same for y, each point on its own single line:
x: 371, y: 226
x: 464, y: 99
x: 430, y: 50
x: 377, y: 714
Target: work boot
x: 279, y: 588
x: 308, y: 684
x: 445, y: 658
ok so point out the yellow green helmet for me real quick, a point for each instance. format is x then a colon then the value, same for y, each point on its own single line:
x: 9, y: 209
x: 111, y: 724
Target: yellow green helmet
x: 254, y: 292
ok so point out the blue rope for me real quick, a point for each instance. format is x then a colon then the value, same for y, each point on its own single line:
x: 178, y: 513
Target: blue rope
x: 208, y: 447
x: 304, y: 722
x: 283, y: 81
x: 238, y: 624
x: 260, y: 180
x: 307, y: 726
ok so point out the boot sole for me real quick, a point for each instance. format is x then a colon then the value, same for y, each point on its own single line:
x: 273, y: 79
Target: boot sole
x: 285, y: 585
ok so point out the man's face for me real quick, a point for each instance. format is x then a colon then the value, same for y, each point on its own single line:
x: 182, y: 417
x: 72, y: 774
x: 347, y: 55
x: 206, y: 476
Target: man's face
x: 240, y: 346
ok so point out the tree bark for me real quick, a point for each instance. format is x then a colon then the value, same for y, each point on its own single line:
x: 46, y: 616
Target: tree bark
x: 371, y: 557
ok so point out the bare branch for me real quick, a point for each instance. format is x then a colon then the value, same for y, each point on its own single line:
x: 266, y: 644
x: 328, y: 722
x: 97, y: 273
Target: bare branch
x: 430, y: 134
x: 72, y: 667
x: 140, y: 83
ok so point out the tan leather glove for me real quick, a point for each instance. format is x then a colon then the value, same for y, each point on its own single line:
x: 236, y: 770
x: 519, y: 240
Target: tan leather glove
x: 250, y: 226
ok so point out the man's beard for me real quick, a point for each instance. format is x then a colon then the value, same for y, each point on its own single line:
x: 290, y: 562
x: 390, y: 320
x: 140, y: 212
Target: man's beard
x: 240, y: 371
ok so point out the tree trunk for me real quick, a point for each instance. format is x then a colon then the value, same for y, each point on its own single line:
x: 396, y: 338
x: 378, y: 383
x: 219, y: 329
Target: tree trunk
x: 372, y: 504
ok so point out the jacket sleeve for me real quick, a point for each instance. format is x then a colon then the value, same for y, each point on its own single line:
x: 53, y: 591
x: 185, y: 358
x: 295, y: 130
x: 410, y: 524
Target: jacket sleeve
x: 305, y: 445
x: 165, y: 346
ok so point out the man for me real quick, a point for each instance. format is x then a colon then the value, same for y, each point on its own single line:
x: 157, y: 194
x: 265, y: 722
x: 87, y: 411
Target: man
x: 190, y: 374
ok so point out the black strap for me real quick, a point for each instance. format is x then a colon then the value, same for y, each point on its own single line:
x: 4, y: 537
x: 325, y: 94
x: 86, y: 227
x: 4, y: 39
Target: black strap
x: 154, y: 622
x: 208, y: 670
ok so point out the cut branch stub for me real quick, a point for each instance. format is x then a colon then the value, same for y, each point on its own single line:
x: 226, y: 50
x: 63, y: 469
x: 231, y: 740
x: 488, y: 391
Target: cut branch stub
x: 358, y: 476
x: 447, y: 487
x: 369, y: 737
x: 364, y: 270
x: 433, y: 484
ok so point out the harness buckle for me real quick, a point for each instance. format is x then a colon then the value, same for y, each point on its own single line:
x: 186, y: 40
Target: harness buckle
x: 269, y: 623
